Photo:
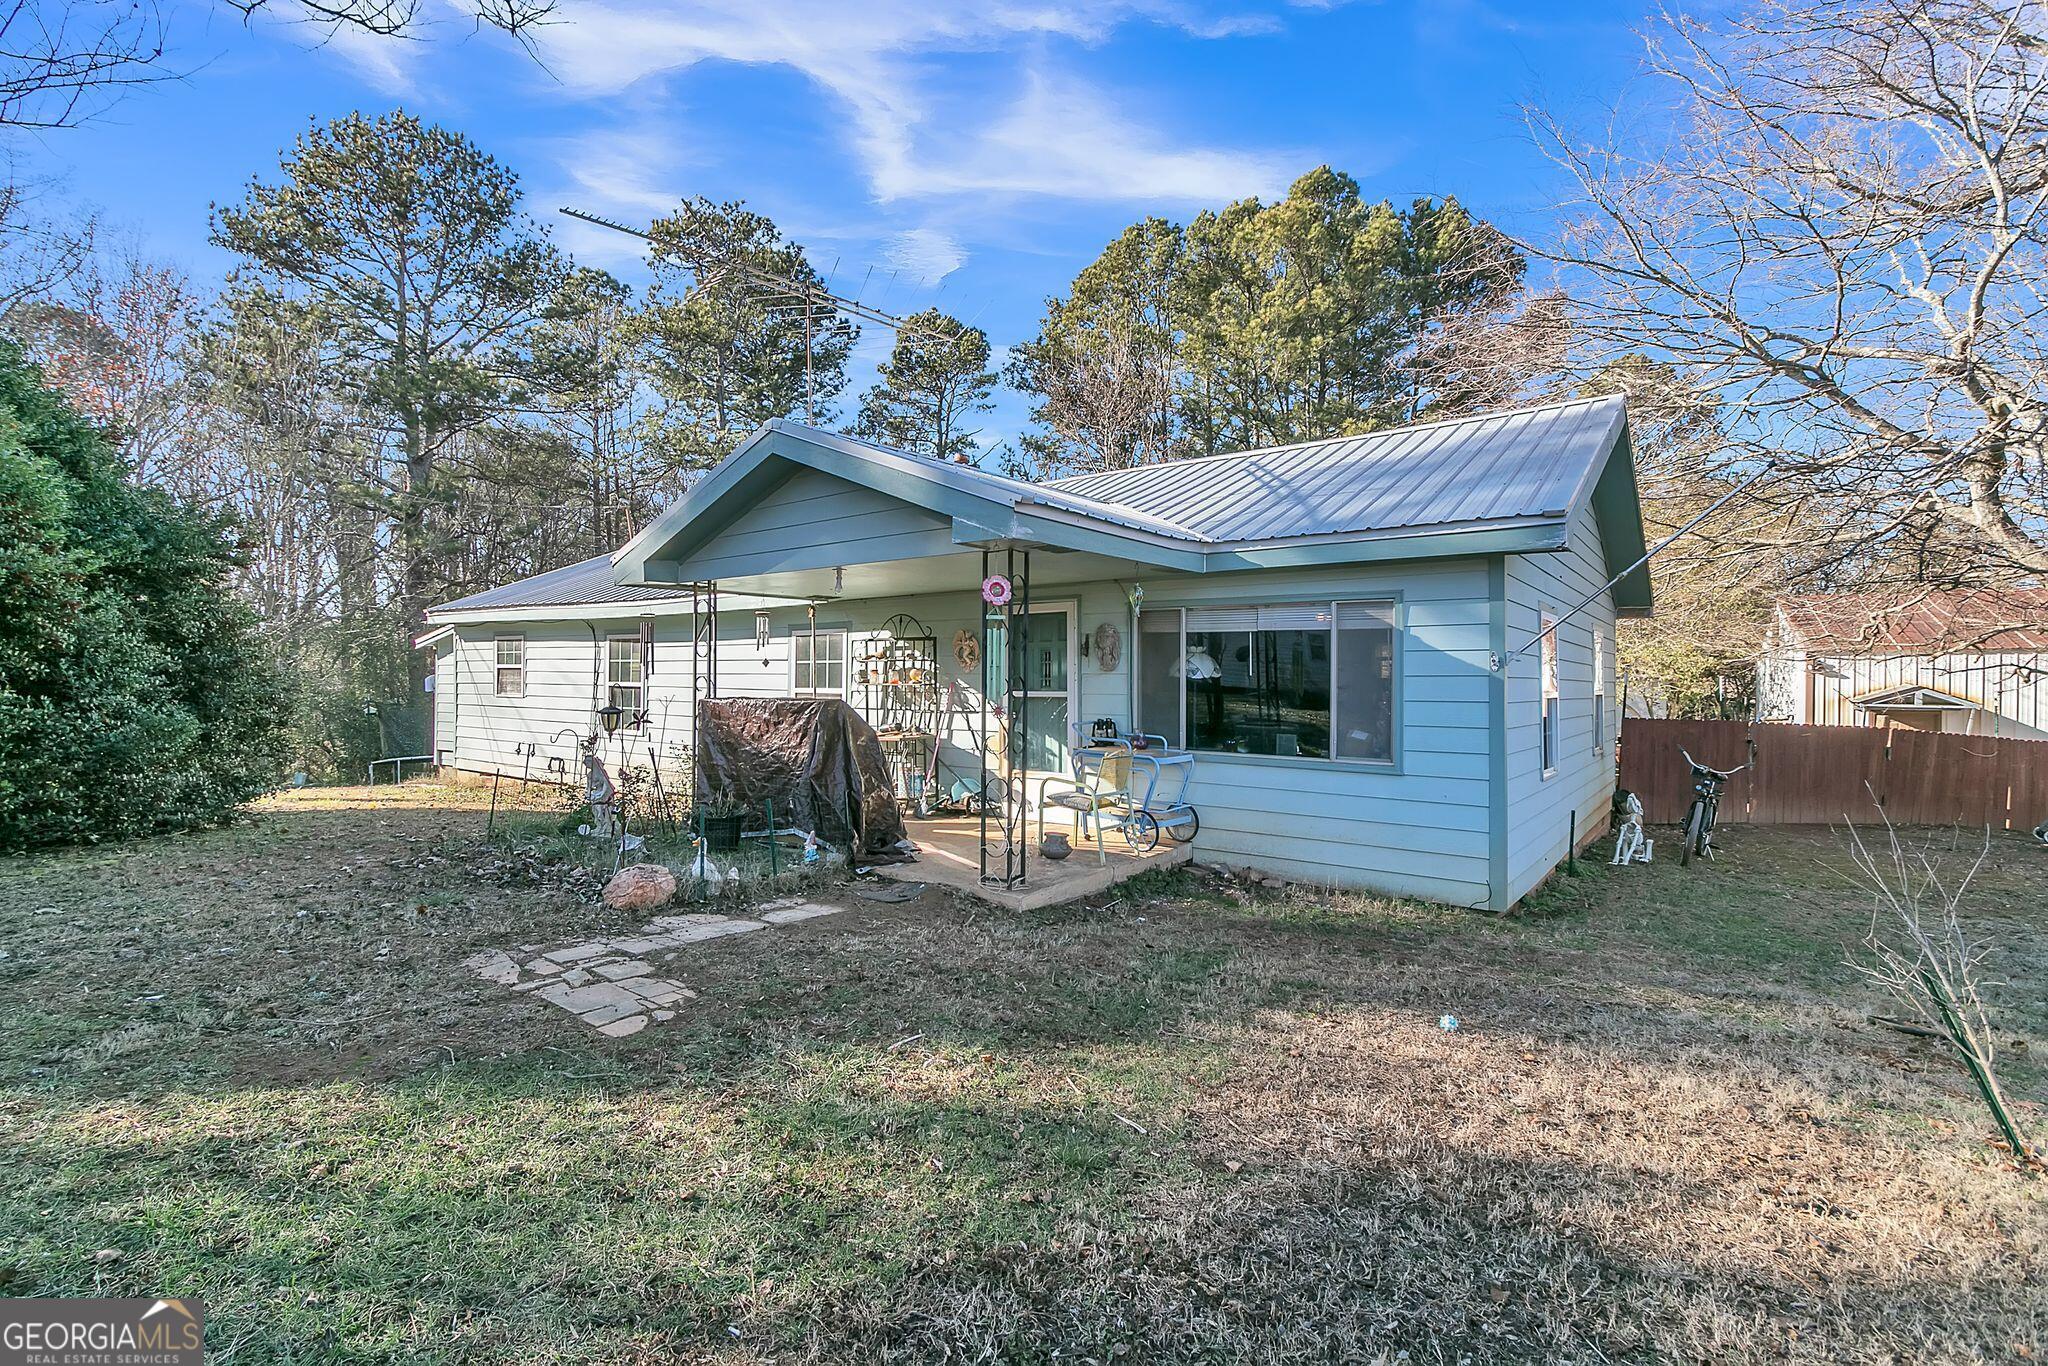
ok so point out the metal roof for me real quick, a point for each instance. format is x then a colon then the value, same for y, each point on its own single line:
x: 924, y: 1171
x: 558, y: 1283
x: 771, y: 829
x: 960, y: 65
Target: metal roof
x: 971, y: 479
x: 1497, y: 467
x: 586, y: 583
x: 1519, y: 472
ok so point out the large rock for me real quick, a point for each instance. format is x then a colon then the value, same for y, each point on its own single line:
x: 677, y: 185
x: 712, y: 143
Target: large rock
x: 643, y: 887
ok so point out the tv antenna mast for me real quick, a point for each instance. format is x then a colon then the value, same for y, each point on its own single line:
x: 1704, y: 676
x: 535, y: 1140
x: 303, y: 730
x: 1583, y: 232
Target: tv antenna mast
x: 784, y: 293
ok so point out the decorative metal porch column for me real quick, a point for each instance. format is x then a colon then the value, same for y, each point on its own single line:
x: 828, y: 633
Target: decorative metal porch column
x: 1005, y: 719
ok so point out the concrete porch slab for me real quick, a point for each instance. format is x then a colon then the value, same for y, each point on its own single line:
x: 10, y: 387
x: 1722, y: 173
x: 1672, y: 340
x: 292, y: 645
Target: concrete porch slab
x: 949, y: 856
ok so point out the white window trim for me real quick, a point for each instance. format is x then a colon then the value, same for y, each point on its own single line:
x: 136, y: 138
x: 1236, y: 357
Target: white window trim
x: 498, y: 669
x: 1391, y: 764
x: 845, y: 661
x: 635, y: 721
x: 1602, y: 667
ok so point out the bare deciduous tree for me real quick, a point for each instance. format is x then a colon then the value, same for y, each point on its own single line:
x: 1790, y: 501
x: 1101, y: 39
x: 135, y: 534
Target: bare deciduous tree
x: 1923, y: 956
x: 1844, y: 243
x: 60, y: 58
x: 1105, y: 399
x: 39, y: 256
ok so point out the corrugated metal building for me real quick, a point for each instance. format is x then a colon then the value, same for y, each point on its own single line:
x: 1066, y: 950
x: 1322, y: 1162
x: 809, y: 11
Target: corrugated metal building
x: 1964, y: 661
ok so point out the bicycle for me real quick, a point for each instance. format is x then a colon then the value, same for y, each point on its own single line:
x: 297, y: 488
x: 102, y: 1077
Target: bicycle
x: 1706, y: 805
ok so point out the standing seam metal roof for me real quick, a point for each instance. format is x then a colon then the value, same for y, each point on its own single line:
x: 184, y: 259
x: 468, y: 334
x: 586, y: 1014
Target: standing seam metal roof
x: 1516, y: 466
x: 581, y: 584
x: 1521, y: 464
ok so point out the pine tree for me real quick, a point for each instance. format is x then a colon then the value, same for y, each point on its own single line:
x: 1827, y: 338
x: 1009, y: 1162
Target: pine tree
x: 936, y: 380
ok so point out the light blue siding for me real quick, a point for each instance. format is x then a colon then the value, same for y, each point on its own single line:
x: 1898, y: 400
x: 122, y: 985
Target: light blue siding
x: 1540, y: 807
x: 1418, y: 830
x: 816, y: 521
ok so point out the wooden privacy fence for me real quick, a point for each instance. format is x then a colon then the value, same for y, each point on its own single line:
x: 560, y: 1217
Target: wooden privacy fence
x: 1815, y: 775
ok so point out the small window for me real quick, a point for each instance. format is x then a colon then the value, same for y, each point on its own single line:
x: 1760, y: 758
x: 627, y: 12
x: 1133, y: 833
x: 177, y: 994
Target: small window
x: 511, y: 666
x: 1548, y: 625
x: 817, y: 663
x: 1599, y: 692
x: 626, y: 680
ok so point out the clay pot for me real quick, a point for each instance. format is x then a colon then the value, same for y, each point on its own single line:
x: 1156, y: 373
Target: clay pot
x: 1056, y: 846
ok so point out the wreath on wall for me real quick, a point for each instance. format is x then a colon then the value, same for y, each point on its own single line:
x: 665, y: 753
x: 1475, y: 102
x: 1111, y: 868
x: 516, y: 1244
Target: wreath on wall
x: 967, y: 650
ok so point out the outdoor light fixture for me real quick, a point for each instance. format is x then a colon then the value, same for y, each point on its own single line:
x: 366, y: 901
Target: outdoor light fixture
x: 609, y: 717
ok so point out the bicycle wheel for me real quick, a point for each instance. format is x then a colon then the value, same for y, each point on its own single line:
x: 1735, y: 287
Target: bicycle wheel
x: 1142, y: 831
x: 1695, y: 834
x: 1186, y: 830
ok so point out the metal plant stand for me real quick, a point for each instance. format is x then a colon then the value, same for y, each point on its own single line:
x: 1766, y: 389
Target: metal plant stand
x: 899, y: 677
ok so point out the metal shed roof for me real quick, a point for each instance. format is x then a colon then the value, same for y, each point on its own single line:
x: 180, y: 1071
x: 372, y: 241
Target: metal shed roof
x: 1498, y: 467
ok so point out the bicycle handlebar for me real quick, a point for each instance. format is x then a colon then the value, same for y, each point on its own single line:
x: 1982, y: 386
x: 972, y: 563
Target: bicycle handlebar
x: 1703, y: 768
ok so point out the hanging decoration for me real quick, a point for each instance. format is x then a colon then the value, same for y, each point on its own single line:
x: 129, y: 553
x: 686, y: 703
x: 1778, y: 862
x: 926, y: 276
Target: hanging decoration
x: 996, y: 590
x: 1109, y: 647
x: 966, y: 650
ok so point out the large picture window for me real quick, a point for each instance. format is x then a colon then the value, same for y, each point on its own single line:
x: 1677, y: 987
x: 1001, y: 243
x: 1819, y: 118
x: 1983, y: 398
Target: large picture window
x: 817, y: 663
x: 625, y: 679
x: 1297, y: 680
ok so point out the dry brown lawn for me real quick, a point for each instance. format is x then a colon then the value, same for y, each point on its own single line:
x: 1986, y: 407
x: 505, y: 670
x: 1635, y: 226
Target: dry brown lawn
x: 1184, y: 1123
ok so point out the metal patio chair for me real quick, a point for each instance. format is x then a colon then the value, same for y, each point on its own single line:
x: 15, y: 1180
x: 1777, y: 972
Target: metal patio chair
x: 1099, y: 794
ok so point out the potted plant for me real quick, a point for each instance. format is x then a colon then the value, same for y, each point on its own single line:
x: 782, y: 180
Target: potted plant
x: 722, y: 817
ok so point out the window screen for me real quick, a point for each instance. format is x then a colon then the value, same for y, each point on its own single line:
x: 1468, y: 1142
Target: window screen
x: 1365, y: 681
x: 1159, y: 675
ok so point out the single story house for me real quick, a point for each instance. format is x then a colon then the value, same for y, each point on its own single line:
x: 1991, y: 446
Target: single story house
x: 1964, y: 661
x: 1392, y: 655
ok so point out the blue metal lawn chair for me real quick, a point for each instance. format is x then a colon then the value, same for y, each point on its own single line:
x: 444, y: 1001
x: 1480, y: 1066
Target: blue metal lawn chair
x: 1119, y: 787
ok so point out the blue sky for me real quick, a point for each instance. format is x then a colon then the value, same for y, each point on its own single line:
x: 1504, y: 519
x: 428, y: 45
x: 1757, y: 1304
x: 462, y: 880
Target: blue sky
x: 972, y: 154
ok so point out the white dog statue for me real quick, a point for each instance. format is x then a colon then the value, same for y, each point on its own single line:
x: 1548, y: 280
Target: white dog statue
x: 1629, y: 844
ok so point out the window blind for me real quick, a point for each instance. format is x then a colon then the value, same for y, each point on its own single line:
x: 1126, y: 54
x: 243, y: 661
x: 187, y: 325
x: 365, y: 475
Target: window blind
x: 1300, y: 616
x: 1365, y: 616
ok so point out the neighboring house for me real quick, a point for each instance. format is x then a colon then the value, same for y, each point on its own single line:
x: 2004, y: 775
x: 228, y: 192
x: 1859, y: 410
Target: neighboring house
x: 1349, y: 633
x: 1966, y: 661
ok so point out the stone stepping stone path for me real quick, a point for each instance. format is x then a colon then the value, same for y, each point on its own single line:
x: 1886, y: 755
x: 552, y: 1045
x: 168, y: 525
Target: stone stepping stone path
x: 607, y: 983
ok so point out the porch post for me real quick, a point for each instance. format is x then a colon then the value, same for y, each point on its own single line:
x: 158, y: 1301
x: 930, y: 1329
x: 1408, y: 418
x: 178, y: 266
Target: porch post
x: 981, y: 611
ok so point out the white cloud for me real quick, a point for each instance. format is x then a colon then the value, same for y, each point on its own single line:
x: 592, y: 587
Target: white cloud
x: 1058, y: 137
x: 385, y: 62
x: 626, y: 168
x: 1062, y: 137
x: 926, y: 255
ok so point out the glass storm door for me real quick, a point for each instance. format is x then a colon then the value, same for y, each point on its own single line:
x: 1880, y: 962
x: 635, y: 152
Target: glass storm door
x: 1048, y: 680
